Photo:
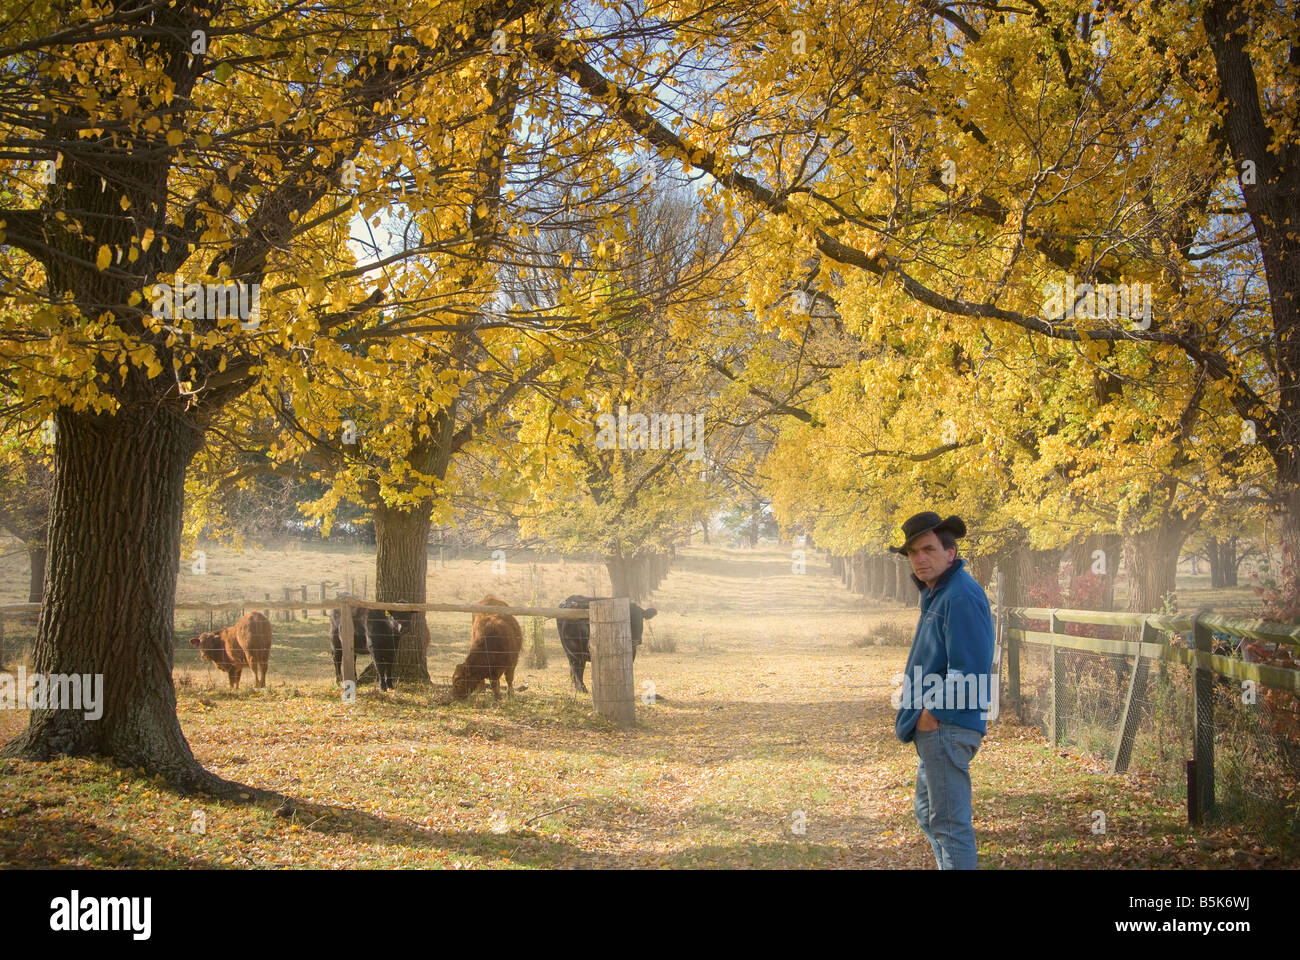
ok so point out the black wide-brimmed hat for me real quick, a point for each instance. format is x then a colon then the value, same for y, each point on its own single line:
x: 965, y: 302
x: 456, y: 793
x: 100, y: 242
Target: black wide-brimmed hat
x: 921, y: 523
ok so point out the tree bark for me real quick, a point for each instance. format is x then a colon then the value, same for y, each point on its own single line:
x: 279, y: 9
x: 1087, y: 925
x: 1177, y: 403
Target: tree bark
x: 1214, y: 551
x: 1009, y: 569
x: 114, y: 548
x: 36, y: 557
x: 1229, y: 558
x: 1152, y: 560
x: 401, y: 576
x: 1083, y: 559
x: 620, y: 577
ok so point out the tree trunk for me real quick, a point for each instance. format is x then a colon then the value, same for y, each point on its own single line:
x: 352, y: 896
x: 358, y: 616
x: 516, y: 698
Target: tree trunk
x: 1228, y: 557
x: 622, y: 579
x: 1009, y: 569
x: 114, y: 549
x: 704, y: 525
x: 1112, y: 544
x: 1083, y: 560
x: 1214, y: 551
x: 36, y: 555
x: 401, y: 572
x: 981, y: 568
x: 1152, y: 560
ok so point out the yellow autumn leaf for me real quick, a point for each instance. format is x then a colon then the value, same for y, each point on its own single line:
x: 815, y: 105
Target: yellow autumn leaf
x: 104, y: 258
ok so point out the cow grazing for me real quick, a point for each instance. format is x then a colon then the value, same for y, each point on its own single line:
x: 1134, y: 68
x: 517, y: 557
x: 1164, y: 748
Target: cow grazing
x: 376, y: 631
x: 246, y: 644
x: 494, y: 644
x: 575, y: 635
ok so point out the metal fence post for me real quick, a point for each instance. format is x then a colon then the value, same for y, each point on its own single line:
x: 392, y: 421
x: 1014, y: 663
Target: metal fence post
x: 1203, y: 703
x: 1056, y: 719
x: 1012, y: 652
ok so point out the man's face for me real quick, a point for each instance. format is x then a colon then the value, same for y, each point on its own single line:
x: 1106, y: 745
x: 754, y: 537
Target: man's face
x: 928, y: 557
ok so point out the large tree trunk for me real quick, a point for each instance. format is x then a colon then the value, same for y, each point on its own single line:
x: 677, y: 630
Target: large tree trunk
x: 1083, y: 560
x: 1223, y: 561
x: 36, y: 555
x: 1228, y: 557
x: 623, y: 581
x: 114, y: 548
x: 401, y: 572
x: 1009, y: 570
x: 1215, y: 553
x: 1152, y: 561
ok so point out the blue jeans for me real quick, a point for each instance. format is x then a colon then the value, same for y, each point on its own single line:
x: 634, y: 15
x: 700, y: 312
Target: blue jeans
x: 943, y: 806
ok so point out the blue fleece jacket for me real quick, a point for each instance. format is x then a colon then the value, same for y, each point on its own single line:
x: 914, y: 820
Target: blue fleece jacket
x: 948, y: 667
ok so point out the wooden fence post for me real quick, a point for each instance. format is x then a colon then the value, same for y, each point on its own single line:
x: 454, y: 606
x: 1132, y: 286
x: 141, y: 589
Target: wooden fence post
x: 1203, y: 706
x: 324, y: 612
x: 1056, y: 718
x: 1128, y: 724
x: 613, y: 690
x: 348, y: 643
x: 286, y: 613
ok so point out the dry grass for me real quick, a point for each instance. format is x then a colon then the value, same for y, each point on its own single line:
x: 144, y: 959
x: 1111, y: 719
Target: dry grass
x: 767, y: 713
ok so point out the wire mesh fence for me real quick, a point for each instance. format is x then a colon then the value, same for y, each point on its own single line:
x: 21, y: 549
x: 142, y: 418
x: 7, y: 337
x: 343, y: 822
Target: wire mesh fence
x: 1256, y: 758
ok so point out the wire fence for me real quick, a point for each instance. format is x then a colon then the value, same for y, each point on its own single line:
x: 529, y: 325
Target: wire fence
x: 1253, y: 753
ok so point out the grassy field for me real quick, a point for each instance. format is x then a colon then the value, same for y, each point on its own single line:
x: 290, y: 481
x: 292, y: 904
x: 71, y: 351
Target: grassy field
x: 773, y: 712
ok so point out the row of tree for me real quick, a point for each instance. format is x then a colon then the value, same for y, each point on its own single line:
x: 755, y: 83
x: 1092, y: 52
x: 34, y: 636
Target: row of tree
x: 467, y: 250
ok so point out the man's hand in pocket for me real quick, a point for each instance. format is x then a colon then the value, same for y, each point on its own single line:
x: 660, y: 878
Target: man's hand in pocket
x: 927, y: 721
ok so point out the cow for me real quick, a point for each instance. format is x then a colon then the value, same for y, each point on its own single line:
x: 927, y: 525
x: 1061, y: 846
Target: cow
x: 494, y: 644
x: 575, y: 635
x: 377, y: 631
x: 246, y: 644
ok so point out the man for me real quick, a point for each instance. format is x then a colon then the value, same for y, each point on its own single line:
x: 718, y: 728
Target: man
x: 946, y: 685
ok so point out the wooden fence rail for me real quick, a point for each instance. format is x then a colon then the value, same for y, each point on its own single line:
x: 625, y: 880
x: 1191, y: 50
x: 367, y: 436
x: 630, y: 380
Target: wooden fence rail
x: 1198, y: 655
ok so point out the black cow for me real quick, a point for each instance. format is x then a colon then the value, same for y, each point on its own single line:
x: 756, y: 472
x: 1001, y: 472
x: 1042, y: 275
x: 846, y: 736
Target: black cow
x: 376, y: 631
x: 575, y: 635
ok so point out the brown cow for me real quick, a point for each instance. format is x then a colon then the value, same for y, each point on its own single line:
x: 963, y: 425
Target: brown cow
x: 494, y: 644
x: 246, y: 644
